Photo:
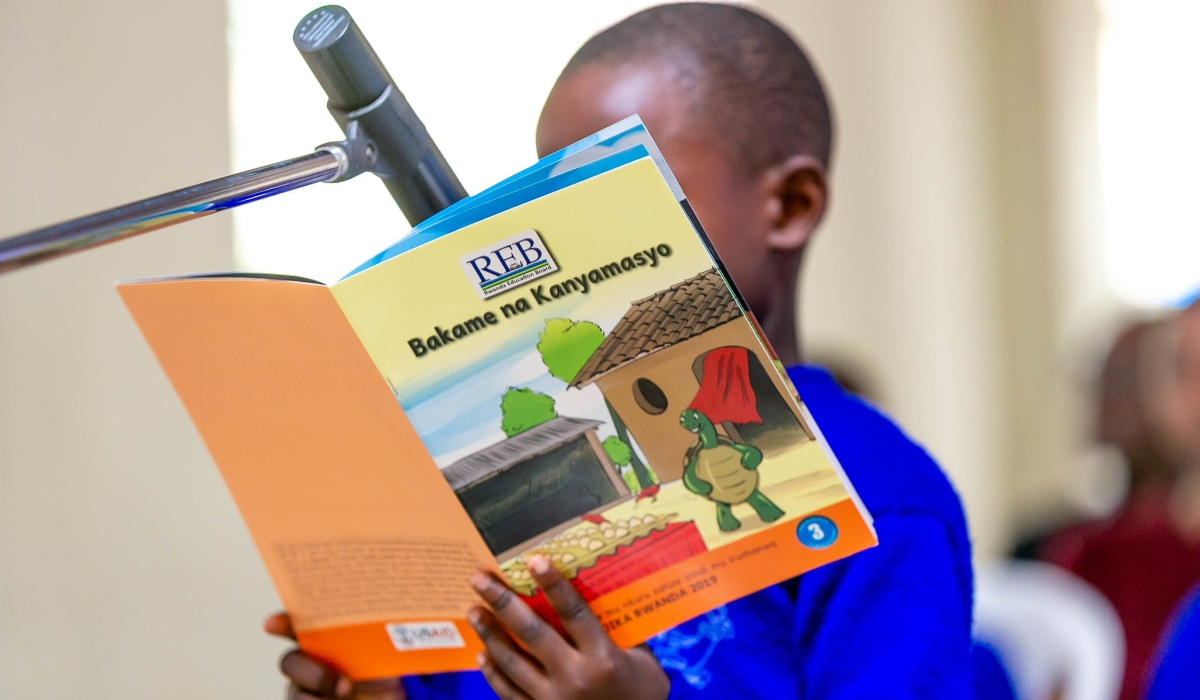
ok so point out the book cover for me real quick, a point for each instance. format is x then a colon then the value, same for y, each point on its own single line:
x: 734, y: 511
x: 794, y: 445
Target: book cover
x: 560, y: 366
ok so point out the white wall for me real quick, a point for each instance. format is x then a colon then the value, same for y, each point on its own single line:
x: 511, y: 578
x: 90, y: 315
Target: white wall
x: 125, y: 571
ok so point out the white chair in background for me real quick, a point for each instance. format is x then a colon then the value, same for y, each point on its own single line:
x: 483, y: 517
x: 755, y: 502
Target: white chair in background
x: 1056, y: 635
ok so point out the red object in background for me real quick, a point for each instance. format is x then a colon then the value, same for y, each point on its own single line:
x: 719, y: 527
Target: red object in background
x: 1142, y: 564
x: 725, y: 393
x: 630, y: 562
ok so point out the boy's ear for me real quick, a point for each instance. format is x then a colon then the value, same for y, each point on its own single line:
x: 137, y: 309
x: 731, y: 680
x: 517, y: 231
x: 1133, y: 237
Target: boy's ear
x: 797, y: 192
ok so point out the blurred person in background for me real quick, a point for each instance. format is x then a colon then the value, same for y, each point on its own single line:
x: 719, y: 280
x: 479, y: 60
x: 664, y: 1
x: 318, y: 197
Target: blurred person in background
x: 1175, y: 415
x: 1146, y: 556
x: 1177, y: 672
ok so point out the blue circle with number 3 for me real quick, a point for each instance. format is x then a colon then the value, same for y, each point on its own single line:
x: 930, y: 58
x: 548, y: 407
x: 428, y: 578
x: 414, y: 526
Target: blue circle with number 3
x: 816, y: 532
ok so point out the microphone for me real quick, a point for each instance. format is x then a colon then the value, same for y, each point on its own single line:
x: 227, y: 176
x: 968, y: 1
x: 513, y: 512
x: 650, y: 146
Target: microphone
x: 374, y: 114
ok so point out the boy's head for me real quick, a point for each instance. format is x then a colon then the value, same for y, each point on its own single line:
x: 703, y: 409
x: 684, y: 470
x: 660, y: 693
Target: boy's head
x: 738, y: 112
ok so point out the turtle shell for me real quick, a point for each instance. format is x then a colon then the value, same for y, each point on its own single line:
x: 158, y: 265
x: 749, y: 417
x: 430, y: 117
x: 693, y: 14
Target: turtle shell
x: 722, y: 467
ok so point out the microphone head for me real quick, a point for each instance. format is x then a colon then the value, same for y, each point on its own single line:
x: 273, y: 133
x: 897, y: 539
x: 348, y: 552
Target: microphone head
x: 344, y: 63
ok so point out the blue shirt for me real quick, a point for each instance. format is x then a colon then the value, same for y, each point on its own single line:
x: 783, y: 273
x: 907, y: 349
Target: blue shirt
x: 1178, y: 673
x: 890, y: 622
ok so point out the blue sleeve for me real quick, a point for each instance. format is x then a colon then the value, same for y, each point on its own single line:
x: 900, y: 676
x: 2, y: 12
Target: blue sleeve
x: 1178, y: 673
x: 449, y: 686
x: 890, y: 622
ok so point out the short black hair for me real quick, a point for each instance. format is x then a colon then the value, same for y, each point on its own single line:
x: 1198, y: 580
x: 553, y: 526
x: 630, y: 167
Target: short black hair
x: 746, y: 77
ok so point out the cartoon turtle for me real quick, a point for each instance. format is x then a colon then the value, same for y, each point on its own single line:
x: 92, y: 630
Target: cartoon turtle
x: 724, y: 472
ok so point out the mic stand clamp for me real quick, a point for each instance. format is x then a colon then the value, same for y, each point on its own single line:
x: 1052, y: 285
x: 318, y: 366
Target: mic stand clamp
x: 356, y: 155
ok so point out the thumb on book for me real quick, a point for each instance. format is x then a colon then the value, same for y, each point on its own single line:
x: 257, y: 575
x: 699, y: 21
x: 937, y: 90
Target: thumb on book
x: 279, y: 625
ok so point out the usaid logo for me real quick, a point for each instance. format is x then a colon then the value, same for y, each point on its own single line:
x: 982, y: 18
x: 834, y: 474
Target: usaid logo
x: 508, y: 263
x: 407, y: 636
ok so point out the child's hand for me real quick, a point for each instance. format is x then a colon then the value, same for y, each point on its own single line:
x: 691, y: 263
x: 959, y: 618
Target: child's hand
x: 311, y: 679
x: 550, y: 667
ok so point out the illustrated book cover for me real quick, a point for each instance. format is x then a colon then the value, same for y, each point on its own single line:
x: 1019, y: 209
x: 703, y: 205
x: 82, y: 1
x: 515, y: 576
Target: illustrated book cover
x: 558, y: 364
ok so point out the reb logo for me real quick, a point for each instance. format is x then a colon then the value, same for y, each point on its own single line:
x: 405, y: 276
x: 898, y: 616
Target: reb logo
x: 509, y: 263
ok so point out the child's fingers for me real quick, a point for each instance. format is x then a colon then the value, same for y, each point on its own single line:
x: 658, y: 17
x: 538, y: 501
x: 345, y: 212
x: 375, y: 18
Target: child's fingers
x: 500, y: 684
x: 294, y: 693
x: 577, y: 618
x: 546, y: 645
x: 382, y: 689
x: 312, y: 676
x: 503, y: 654
x: 279, y: 625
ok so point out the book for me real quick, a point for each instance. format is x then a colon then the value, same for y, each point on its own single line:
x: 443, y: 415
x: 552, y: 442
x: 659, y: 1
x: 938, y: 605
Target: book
x: 558, y: 364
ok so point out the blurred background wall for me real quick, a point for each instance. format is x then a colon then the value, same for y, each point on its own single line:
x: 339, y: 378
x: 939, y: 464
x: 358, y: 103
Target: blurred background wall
x: 960, y: 276
x: 125, y: 571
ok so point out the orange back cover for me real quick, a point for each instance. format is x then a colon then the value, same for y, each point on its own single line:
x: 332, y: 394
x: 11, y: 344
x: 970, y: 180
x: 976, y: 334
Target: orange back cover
x: 319, y: 457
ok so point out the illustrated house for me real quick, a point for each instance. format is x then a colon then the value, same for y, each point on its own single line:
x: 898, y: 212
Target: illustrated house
x: 651, y: 366
x: 536, y: 482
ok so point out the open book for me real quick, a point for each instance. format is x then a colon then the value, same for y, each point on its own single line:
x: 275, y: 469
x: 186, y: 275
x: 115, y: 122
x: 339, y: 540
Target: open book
x: 559, y: 365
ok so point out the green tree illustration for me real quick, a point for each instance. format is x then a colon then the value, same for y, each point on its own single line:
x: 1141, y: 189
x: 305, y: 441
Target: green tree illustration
x: 523, y: 409
x: 565, y: 346
x: 617, y: 450
x: 621, y: 455
x: 645, y: 476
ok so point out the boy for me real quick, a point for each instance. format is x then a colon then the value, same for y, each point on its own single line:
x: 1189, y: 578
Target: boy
x: 742, y: 118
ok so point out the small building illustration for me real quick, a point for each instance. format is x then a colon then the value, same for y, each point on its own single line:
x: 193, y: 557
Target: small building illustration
x: 651, y: 366
x: 536, y: 482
